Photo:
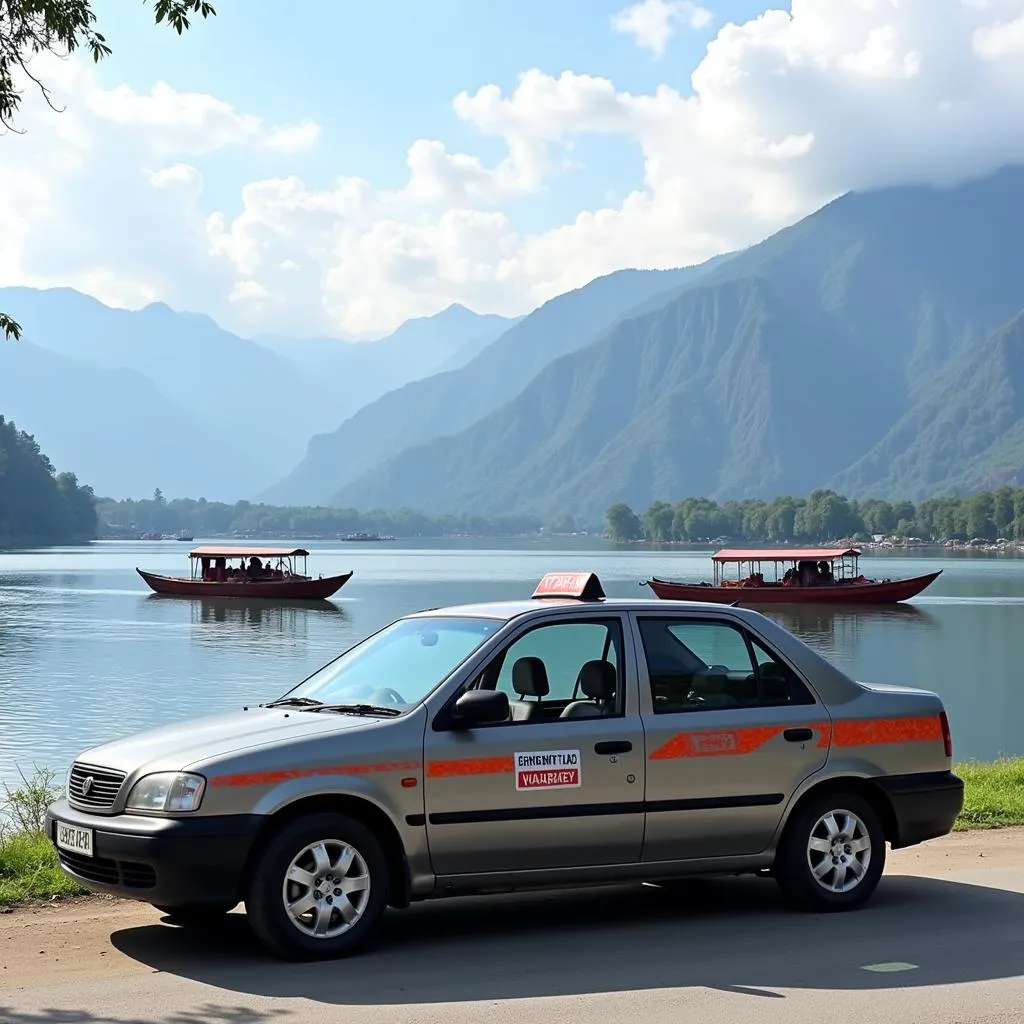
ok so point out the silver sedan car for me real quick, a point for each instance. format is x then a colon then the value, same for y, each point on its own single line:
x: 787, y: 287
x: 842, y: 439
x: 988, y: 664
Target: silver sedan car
x: 561, y: 740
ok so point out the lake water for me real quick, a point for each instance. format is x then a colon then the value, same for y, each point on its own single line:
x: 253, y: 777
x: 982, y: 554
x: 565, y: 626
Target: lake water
x: 87, y: 654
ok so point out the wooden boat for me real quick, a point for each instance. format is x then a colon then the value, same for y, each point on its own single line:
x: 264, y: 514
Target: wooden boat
x: 270, y: 573
x: 811, y: 576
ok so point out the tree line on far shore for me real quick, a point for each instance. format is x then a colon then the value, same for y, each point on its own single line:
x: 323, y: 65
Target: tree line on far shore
x: 37, y: 504
x: 823, y: 516
x: 199, y: 517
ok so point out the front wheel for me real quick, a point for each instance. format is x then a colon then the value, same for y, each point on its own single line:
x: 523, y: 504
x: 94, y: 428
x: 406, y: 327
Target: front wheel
x: 832, y: 853
x: 319, y: 889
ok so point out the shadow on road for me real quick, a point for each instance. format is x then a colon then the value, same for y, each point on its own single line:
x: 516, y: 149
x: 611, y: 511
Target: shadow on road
x: 733, y: 935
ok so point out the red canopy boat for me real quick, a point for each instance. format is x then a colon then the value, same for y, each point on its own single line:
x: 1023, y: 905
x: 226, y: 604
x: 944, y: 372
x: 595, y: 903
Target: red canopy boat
x: 270, y: 573
x: 813, y: 576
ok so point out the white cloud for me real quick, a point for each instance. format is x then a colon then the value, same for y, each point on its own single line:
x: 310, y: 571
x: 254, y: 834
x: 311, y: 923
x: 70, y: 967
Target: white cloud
x: 783, y: 113
x: 1000, y: 39
x: 652, y: 23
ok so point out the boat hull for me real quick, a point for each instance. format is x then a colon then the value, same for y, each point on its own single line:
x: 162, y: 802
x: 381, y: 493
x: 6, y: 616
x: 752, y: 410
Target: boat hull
x: 880, y: 592
x: 278, y: 590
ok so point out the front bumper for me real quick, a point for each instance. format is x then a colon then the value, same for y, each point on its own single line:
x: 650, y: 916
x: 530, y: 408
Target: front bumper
x: 925, y: 805
x: 166, y: 861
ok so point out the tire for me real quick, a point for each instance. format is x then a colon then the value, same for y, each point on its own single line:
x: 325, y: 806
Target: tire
x: 803, y: 849
x: 346, y: 850
x: 196, y: 915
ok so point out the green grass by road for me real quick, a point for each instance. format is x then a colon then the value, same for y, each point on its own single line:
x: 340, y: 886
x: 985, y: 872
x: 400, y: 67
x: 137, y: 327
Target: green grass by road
x: 28, y: 870
x: 28, y: 864
x: 994, y: 794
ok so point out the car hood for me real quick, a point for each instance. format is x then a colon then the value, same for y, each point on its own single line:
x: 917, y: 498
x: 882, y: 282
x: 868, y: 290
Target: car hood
x: 212, y: 737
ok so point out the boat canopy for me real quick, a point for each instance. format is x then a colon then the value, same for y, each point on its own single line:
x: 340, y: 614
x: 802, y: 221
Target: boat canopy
x: 237, y: 552
x: 783, y: 554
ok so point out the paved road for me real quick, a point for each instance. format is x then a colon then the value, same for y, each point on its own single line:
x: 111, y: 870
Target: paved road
x: 944, y: 949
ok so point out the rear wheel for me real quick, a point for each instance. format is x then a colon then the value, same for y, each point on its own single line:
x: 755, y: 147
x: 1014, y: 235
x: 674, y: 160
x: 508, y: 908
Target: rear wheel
x: 832, y: 853
x: 319, y: 889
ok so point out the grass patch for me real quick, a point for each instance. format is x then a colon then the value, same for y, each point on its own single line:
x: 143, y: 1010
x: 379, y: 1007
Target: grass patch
x: 28, y: 861
x: 993, y: 794
x: 28, y: 870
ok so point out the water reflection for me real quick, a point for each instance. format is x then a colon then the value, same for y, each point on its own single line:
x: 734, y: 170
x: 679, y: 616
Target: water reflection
x: 234, y: 623
x: 838, y: 628
x: 290, y: 617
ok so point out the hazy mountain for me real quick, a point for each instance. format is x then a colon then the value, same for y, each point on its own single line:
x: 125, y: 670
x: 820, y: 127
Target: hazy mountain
x: 171, y: 400
x: 114, y: 429
x: 362, y: 371
x: 250, y: 398
x: 774, y: 372
x: 449, y: 402
x: 711, y: 394
x: 965, y: 433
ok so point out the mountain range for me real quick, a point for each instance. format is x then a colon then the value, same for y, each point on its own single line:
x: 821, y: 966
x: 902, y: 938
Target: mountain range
x: 833, y: 353
x: 875, y: 346
x: 449, y: 402
x: 133, y: 400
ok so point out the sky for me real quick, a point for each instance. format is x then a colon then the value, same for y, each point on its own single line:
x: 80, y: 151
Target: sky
x: 335, y: 168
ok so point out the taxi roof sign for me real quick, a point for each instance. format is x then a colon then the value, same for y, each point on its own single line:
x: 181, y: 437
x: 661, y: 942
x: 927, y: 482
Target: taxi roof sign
x: 584, y: 585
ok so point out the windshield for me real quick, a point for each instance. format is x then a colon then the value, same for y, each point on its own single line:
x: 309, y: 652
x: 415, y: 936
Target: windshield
x: 400, y: 665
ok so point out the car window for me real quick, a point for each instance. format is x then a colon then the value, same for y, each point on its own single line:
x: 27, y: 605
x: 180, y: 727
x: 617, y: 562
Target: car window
x: 404, y: 660
x: 701, y: 664
x: 564, y: 648
x: 778, y: 683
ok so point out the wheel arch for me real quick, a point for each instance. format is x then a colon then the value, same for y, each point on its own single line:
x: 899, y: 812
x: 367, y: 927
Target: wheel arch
x: 864, y: 787
x: 362, y: 810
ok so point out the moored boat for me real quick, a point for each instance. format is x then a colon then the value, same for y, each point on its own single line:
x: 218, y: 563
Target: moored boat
x: 270, y: 572
x: 811, y: 576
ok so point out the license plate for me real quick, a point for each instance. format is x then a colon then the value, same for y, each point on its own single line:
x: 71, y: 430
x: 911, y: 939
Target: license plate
x: 74, y: 839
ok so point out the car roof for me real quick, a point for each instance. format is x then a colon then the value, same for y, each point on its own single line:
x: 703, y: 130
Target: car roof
x: 506, y: 610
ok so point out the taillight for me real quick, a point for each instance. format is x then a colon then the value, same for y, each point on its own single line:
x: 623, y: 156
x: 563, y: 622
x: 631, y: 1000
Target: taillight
x: 947, y: 736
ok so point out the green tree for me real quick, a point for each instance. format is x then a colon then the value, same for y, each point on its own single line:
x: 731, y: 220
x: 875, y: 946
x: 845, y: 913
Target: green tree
x: 80, y: 503
x: 658, y: 520
x: 827, y: 515
x: 623, y: 523
x: 60, y: 27
x: 878, y: 516
x: 980, y: 516
x: 37, y: 507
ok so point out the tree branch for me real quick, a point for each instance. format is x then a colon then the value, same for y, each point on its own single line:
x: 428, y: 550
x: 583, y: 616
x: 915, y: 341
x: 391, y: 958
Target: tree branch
x: 10, y: 328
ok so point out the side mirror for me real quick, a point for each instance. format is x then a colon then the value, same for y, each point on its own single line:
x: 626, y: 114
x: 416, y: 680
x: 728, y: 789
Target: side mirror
x: 480, y: 707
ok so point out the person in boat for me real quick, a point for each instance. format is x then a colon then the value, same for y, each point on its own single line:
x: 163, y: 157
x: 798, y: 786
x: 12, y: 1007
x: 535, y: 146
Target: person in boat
x: 791, y: 578
x: 255, y: 568
x: 825, y: 573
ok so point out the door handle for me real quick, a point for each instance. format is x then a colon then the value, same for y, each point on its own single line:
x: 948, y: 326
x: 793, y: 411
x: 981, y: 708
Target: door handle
x: 798, y: 735
x: 613, y: 747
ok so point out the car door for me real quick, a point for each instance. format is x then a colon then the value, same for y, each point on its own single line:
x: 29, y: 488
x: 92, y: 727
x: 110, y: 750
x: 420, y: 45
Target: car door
x: 731, y: 732
x: 543, y: 791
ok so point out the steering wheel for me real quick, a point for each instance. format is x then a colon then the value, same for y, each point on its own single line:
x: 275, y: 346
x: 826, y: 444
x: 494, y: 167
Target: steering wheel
x: 389, y: 696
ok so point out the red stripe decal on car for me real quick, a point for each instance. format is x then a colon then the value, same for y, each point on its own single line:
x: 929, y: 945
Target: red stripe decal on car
x: 284, y: 775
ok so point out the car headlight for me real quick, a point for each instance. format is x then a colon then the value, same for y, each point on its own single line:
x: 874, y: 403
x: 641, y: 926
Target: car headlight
x: 167, y: 792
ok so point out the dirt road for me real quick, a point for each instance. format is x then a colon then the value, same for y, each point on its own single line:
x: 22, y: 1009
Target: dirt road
x: 943, y: 941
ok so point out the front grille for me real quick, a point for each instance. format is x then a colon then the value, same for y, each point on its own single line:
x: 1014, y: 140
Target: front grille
x: 93, y: 788
x: 109, y: 872
x: 137, y: 876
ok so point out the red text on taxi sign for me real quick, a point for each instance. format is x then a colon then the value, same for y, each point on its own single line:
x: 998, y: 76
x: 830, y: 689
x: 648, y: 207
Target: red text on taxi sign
x: 584, y: 585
